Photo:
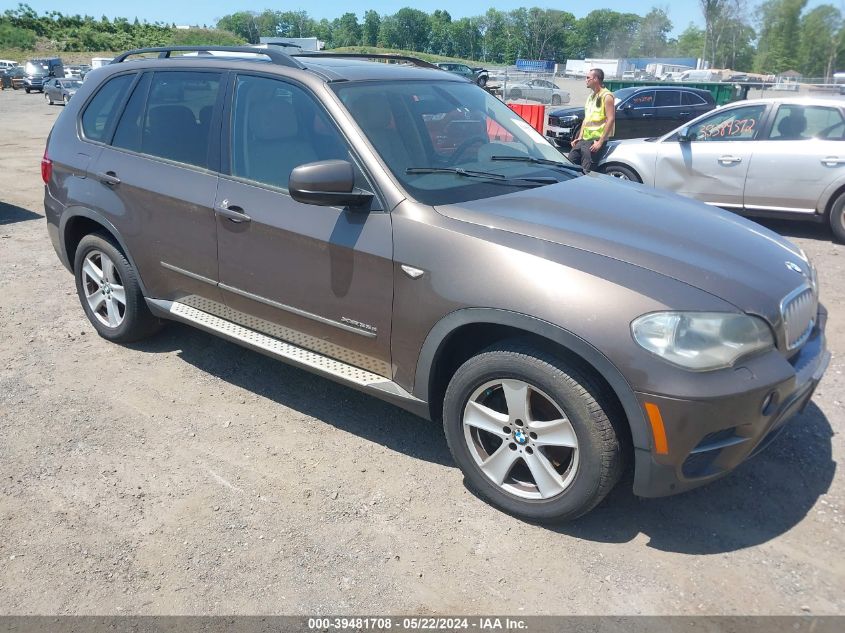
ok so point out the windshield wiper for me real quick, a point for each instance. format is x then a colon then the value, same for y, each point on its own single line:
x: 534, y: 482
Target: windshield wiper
x: 539, y: 161
x: 486, y: 175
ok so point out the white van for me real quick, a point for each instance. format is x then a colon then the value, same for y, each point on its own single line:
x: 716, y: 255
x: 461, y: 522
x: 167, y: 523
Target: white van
x: 5, y: 64
x: 699, y: 75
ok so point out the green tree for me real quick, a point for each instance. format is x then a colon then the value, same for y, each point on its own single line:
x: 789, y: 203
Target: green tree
x: 606, y: 33
x: 372, y: 24
x: 407, y: 29
x: 346, y: 31
x: 243, y: 24
x: 440, y: 40
x: 822, y: 42
x: 16, y: 37
x: 651, y: 39
x: 780, y: 31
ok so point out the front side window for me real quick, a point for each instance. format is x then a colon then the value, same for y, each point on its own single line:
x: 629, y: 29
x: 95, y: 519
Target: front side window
x: 277, y: 126
x: 642, y: 100
x: 448, y: 142
x: 100, y: 113
x: 169, y: 116
x: 733, y: 124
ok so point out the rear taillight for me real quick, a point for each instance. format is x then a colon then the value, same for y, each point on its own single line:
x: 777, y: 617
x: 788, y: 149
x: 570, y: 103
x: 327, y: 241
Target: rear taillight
x: 46, y: 168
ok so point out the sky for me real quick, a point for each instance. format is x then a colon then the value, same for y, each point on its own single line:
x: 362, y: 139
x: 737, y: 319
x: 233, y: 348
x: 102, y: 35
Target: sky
x: 681, y: 12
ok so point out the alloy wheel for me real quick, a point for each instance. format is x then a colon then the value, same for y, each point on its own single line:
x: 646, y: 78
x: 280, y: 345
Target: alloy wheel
x: 104, y: 289
x: 520, y: 439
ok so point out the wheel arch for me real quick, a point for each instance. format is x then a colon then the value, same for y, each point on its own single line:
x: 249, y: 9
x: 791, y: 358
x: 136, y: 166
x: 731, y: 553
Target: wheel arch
x: 618, y: 163
x: 78, y: 222
x: 830, y: 196
x: 463, y: 333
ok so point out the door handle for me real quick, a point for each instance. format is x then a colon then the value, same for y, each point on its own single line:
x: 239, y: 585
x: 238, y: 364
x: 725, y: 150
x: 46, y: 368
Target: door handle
x: 684, y: 113
x: 730, y: 159
x: 233, y: 212
x: 108, y: 178
x: 832, y: 161
x: 646, y: 115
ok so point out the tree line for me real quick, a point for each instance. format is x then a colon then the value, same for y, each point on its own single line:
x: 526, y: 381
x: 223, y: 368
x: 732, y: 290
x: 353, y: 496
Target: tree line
x: 771, y: 37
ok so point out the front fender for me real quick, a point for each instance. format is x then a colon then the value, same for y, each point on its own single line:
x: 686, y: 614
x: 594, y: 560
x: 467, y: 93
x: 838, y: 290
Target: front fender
x: 439, y: 334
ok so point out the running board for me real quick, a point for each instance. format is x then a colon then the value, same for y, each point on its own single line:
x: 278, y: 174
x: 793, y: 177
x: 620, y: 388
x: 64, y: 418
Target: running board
x: 336, y: 370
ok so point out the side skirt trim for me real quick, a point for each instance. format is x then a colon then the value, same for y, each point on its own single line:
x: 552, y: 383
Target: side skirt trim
x: 336, y: 370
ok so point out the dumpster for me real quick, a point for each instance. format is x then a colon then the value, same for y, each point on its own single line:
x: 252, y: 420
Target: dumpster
x: 723, y: 92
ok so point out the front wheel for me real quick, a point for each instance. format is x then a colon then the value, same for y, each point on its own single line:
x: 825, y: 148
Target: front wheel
x: 837, y: 218
x: 109, y: 291
x: 47, y: 98
x: 532, y: 435
x: 481, y: 81
x: 555, y: 99
x: 622, y: 172
x: 28, y: 90
x: 65, y: 99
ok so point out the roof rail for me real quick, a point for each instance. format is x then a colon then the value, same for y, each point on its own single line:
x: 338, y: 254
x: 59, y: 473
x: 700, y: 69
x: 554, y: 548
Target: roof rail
x: 275, y: 56
x: 416, y: 61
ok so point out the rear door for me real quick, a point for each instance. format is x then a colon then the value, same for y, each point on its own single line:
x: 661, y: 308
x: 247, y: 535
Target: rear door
x: 667, y: 112
x: 157, y: 177
x: 319, y: 277
x: 713, y: 166
x: 802, y: 154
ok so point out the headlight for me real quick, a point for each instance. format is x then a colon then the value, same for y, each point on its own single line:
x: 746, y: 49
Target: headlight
x: 572, y: 118
x: 701, y: 340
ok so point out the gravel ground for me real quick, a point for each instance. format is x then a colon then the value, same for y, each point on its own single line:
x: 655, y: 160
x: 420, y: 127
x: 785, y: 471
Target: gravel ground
x: 185, y: 475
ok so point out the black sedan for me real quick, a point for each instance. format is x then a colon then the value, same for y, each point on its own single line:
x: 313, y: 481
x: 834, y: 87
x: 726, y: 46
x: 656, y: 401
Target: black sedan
x: 640, y: 112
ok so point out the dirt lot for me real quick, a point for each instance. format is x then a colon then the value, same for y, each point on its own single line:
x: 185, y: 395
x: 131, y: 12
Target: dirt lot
x: 186, y: 475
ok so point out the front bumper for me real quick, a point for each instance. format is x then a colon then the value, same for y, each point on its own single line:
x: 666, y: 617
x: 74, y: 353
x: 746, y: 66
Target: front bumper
x: 708, y: 439
x: 560, y: 135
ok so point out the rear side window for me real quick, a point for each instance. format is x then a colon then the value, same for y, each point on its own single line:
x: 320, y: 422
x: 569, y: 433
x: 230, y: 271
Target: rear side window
x: 667, y: 98
x: 101, y: 111
x: 176, y: 119
x: 690, y: 98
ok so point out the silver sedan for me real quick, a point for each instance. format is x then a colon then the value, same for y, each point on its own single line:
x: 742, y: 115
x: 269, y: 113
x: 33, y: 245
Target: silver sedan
x: 60, y: 90
x: 767, y: 157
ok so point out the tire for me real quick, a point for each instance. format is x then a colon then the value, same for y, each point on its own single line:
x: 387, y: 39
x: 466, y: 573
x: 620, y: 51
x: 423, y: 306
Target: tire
x: 498, y: 442
x: 555, y: 99
x: 516, y: 93
x: 47, y: 98
x: 837, y: 218
x: 65, y: 99
x: 481, y: 81
x: 28, y: 90
x: 103, y: 277
x: 622, y: 172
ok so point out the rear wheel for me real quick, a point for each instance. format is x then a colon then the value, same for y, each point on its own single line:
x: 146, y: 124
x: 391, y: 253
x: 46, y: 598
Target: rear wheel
x: 837, y: 218
x: 109, y: 291
x: 555, y: 99
x: 622, y: 172
x: 532, y: 435
x: 516, y: 93
x: 481, y: 81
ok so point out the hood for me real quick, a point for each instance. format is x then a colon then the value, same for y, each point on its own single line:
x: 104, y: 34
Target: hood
x: 711, y: 249
x: 562, y: 112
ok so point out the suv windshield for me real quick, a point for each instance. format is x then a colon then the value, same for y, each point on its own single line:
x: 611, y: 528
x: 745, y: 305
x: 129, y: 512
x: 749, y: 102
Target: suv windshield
x: 431, y: 134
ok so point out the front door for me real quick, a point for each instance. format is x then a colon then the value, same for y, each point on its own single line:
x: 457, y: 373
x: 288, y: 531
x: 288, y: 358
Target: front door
x: 712, y: 167
x: 318, y: 277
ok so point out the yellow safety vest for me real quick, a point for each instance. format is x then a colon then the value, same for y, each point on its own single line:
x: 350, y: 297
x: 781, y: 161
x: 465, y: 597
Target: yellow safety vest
x: 594, y: 116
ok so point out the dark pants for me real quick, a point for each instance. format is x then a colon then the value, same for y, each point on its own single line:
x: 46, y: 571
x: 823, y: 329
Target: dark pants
x: 580, y: 154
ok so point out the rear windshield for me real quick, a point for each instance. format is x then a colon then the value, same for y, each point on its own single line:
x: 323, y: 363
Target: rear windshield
x: 418, y: 127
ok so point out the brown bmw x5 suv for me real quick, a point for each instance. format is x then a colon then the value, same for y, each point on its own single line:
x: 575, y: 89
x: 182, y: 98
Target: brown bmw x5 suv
x: 397, y: 229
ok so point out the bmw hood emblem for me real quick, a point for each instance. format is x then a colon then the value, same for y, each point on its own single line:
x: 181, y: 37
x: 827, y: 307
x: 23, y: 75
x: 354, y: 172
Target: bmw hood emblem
x: 794, y: 267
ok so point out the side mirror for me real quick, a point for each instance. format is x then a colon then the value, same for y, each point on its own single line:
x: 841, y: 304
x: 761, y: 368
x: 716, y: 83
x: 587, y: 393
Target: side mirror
x: 327, y: 183
x: 628, y: 106
x: 685, y: 136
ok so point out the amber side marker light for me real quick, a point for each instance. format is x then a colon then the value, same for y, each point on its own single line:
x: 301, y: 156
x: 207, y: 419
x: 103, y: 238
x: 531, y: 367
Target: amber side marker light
x: 661, y: 446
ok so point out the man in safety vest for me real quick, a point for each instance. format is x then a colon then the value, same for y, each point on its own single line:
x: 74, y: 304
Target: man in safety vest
x: 599, y: 121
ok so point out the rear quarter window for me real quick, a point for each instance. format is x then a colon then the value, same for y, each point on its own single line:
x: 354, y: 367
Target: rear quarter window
x: 101, y: 112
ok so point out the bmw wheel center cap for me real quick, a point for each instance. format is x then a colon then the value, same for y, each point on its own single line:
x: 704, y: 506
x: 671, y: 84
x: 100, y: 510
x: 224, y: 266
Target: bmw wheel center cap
x: 520, y: 437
